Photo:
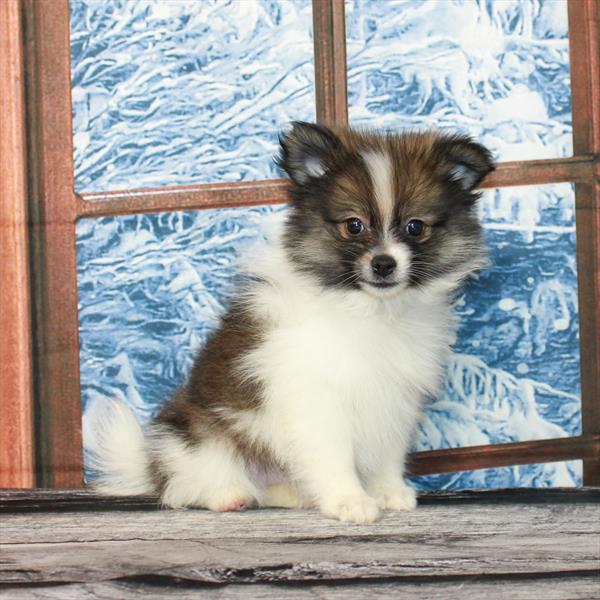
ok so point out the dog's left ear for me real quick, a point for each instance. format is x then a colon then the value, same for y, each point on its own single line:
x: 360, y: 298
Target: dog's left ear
x: 469, y: 161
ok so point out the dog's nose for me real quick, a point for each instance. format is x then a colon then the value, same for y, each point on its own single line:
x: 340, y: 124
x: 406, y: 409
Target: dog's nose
x: 383, y: 265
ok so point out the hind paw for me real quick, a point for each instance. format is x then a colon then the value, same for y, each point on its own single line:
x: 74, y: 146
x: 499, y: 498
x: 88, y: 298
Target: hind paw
x: 229, y: 501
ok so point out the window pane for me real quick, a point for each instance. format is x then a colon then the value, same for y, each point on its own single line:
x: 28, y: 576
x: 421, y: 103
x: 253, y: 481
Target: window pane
x: 497, y: 69
x: 514, y: 375
x: 180, y: 92
x: 558, y: 474
x: 151, y: 288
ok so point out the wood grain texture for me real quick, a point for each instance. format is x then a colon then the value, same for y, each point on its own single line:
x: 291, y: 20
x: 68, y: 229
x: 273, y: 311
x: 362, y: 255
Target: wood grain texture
x: 252, y: 193
x: 54, y: 263
x: 584, y: 49
x: 329, y: 35
x: 86, y: 500
x: 182, y: 197
x: 438, y: 543
x: 16, y: 416
x: 584, y: 55
x: 502, y: 455
x: 573, y: 586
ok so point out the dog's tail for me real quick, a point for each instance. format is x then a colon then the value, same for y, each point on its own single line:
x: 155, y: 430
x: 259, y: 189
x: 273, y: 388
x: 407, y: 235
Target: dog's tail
x: 119, y: 453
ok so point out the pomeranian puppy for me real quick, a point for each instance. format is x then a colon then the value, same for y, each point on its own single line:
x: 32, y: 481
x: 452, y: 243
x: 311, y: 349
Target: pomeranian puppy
x: 308, y: 393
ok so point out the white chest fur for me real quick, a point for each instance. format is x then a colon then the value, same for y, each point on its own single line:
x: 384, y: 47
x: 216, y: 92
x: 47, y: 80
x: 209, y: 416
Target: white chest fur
x: 344, y: 365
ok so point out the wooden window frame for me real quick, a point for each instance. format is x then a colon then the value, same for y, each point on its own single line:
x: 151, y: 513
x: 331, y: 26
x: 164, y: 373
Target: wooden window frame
x: 16, y: 422
x: 54, y: 207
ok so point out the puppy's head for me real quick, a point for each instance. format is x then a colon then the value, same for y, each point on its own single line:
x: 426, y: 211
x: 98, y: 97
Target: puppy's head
x: 382, y: 212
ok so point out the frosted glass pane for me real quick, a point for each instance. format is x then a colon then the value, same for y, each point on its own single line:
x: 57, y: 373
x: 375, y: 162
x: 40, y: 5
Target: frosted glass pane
x: 497, y: 69
x: 514, y: 374
x: 558, y: 474
x: 183, y: 91
x: 151, y: 288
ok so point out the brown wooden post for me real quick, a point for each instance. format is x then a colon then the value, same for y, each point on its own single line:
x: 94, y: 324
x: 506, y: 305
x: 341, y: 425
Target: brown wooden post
x: 54, y: 264
x: 16, y: 416
x: 503, y: 455
x: 182, y: 197
x: 329, y: 36
x: 274, y: 191
x: 584, y: 42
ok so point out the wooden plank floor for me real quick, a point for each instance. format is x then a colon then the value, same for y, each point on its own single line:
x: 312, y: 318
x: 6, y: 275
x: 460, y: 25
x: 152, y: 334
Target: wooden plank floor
x: 505, y: 544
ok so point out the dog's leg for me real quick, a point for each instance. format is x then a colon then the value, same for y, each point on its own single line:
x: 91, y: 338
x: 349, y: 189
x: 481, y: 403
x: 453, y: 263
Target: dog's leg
x: 323, y: 461
x: 388, y: 487
x: 210, y: 474
x: 282, y: 495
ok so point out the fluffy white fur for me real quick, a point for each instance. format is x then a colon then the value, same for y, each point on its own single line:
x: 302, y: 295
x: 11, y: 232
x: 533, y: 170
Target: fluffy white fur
x: 380, y: 168
x: 119, y: 452
x: 344, y: 374
x: 212, y: 475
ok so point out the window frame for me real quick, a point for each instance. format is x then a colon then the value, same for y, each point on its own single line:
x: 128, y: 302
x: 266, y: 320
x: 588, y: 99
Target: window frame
x: 54, y: 208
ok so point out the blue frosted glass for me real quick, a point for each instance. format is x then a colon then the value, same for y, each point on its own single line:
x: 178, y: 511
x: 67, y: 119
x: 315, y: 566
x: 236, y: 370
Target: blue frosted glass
x: 182, y: 91
x: 496, y: 69
x: 560, y: 474
x: 514, y: 375
x: 151, y: 287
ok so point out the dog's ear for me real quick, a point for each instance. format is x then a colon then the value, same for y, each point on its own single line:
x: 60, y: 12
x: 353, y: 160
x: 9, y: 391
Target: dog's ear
x: 469, y: 162
x: 307, y: 151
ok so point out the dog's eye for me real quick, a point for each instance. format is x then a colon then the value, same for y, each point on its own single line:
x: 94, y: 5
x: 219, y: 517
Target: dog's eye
x: 354, y: 226
x: 415, y: 228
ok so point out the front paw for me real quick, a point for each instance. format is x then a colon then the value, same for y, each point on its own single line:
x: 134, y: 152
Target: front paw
x: 396, y: 496
x: 358, y: 508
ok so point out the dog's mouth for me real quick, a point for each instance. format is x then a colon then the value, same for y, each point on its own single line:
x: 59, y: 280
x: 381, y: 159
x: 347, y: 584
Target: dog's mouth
x: 380, y: 285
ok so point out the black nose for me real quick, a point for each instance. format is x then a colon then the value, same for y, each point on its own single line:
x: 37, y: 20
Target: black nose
x: 383, y: 265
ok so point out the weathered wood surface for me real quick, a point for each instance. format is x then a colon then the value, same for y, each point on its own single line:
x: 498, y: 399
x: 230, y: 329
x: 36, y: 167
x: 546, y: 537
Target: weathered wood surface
x: 513, y: 549
x: 12, y: 501
x: 582, y: 587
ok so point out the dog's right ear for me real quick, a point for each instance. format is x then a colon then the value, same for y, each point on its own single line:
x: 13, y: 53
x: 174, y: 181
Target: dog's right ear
x: 307, y: 151
x: 469, y: 161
